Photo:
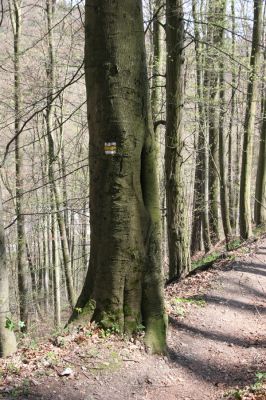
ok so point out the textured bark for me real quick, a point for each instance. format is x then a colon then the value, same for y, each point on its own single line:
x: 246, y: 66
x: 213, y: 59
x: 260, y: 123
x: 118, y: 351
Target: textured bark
x: 260, y: 193
x: 200, y: 223
x: 124, y: 280
x: 177, y: 229
x: 56, y: 269
x: 215, y: 21
x: 15, y: 14
x: 222, y: 159
x: 7, y: 337
x: 157, y: 78
x: 223, y: 187
x: 52, y: 157
x: 246, y: 169
x: 231, y: 176
x: 157, y: 95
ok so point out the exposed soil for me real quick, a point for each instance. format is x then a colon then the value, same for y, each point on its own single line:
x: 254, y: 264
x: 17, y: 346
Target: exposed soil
x: 217, y: 342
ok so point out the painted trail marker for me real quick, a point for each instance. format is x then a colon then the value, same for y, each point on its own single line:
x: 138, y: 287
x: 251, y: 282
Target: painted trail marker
x: 110, y: 148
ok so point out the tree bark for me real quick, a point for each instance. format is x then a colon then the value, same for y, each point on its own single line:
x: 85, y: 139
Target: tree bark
x: 231, y: 173
x: 260, y: 192
x: 177, y: 226
x: 23, y: 286
x: 215, y: 20
x: 7, y: 336
x: 223, y: 187
x: 123, y: 285
x: 246, y: 169
x: 52, y: 157
x: 200, y: 223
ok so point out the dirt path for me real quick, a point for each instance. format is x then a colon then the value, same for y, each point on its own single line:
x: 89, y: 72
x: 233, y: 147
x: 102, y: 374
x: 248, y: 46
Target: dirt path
x: 216, y: 342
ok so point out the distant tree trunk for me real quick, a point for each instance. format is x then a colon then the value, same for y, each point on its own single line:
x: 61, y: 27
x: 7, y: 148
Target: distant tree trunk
x: 200, y: 223
x: 231, y: 174
x: 177, y: 227
x: 124, y: 281
x: 56, y: 268
x: 223, y: 187
x: 52, y: 156
x: 7, y: 336
x: 246, y: 170
x: 215, y: 16
x: 222, y: 158
x: 260, y: 193
x: 156, y: 93
x: 15, y: 14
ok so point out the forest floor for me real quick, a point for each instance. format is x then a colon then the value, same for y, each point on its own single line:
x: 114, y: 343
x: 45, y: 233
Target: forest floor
x: 216, y: 346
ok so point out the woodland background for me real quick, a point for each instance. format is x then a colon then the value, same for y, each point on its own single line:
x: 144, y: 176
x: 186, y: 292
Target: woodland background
x: 45, y: 141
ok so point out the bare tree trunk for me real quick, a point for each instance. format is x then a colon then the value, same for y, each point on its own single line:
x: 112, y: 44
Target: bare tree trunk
x: 231, y: 174
x: 124, y: 195
x: 260, y: 193
x: 52, y: 157
x: 177, y: 225
x: 223, y: 187
x: 215, y: 17
x: 15, y: 14
x: 246, y: 170
x: 7, y: 336
x: 200, y: 223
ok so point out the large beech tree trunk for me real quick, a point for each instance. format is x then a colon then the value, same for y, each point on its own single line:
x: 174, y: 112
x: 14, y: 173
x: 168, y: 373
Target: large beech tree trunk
x: 249, y: 124
x: 123, y: 285
x: 177, y: 229
x: 7, y: 337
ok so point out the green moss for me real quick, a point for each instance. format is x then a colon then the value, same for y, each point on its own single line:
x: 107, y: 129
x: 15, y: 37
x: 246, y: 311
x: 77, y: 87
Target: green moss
x: 209, y: 258
x: 196, y: 301
x: 234, y: 244
x: 155, y: 337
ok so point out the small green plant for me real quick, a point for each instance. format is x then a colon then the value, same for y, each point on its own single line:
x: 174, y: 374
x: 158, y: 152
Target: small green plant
x: 113, y: 330
x: 140, y: 328
x: 12, y: 326
x: 240, y: 394
x: 79, y: 310
x: 21, y: 324
x: 235, y: 394
x: 195, y: 301
x: 12, y: 368
x: 260, y: 379
x: 52, y: 358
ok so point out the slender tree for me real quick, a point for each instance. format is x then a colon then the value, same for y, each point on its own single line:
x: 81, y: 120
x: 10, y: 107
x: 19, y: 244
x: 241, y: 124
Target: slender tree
x: 177, y: 228
x: 260, y: 192
x: 222, y: 159
x: 246, y: 169
x: 200, y: 221
x: 215, y: 21
x: 16, y: 21
x: 55, y: 190
x: 7, y: 336
x: 232, y: 192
